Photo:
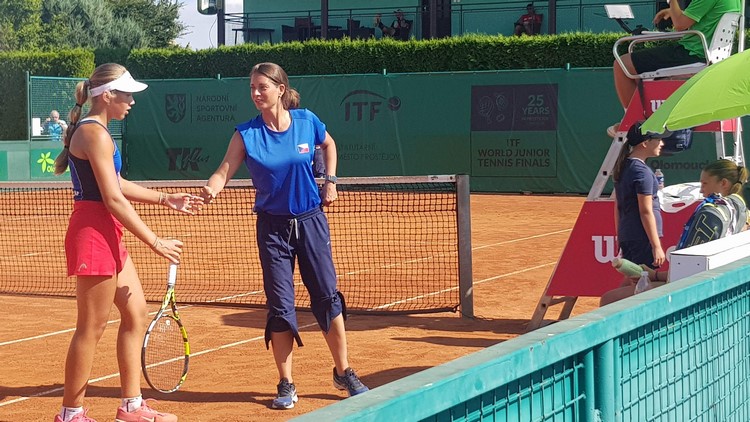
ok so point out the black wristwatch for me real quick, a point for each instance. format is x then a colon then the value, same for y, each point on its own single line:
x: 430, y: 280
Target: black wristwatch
x: 329, y: 178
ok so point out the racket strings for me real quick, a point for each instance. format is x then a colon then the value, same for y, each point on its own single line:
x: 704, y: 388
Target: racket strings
x: 165, y: 354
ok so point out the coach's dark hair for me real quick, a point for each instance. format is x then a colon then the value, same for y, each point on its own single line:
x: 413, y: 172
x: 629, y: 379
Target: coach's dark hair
x: 620, y: 163
x: 274, y: 72
x: 728, y: 169
x: 103, y: 74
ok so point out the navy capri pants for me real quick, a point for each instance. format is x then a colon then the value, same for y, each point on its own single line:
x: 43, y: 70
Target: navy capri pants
x: 306, y: 238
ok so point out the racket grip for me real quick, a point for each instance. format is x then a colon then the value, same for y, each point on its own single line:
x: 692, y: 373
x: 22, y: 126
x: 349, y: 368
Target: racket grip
x: 172, y: 275
x: 626, y: 267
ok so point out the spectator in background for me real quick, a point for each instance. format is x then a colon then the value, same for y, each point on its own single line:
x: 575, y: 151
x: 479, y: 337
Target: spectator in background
x: 54, y: 127
x: 399, y: 29
x: 530, y: 23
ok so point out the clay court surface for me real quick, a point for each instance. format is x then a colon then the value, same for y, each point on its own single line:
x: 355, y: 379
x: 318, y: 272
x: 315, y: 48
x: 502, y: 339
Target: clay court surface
x: 516, y: 243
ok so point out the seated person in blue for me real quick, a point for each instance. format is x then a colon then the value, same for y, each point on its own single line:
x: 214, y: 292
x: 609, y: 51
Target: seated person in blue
x: 54, y: 127
x: 399, y: 29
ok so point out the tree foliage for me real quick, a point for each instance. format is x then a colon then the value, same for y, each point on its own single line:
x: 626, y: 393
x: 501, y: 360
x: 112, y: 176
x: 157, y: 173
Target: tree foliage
x: 159, y: 19
x: 88, y: 23
x: 96, y: 24
x: 20, y: 25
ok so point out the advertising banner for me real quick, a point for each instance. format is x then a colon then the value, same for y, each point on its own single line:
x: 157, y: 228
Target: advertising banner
x: 585, y: 266
x: 540, y: 131
x: 42, y: 162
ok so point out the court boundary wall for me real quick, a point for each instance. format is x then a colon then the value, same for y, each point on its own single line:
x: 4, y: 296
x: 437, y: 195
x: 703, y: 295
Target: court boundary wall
x: 678, y: 352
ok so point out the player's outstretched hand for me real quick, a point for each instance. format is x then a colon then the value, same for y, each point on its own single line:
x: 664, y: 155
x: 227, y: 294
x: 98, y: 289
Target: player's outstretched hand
x: 184, y: 202
x: 168, y: 248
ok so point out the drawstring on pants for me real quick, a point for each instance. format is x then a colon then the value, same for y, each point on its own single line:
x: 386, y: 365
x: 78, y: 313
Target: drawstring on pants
x: 294, y: 228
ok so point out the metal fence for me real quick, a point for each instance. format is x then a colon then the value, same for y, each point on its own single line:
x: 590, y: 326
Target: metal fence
x: 48, y: 93
x: 677, y: 353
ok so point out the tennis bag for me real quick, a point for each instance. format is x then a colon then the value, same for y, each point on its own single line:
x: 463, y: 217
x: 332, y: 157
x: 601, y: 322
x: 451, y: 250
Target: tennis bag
x: 713, y: 219
x: 678, y: 141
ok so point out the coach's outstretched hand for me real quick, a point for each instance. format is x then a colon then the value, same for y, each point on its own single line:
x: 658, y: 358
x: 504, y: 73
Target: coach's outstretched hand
x: 208, y: 194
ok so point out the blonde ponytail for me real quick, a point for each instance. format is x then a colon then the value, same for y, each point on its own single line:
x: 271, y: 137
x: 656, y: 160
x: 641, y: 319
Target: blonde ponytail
x: 74, y: 116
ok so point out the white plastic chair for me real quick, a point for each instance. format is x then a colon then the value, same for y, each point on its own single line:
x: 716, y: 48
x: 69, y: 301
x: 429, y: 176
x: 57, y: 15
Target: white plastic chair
x: 720, y: 48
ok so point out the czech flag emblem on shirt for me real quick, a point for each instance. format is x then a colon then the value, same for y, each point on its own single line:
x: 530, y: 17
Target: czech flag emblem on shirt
x: 303, y: 148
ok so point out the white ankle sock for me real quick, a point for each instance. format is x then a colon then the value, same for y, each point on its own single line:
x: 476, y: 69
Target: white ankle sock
x: 68, y: 413
x: 131, y: 404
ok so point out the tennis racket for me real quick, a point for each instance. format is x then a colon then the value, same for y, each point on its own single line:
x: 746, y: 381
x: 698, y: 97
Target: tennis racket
x: 166, y: 351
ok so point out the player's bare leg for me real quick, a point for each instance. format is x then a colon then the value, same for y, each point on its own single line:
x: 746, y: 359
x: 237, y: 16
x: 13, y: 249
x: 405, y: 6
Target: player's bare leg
x: 94, y: 295
x: 131, y: 303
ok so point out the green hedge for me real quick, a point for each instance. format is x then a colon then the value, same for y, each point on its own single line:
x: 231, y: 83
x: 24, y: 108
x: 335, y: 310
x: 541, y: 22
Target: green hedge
x: 13, y: 96
x: 317, y: 57
x: 314, y: 57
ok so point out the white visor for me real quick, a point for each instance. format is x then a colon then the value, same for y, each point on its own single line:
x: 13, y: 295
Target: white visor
x: 124, y: 83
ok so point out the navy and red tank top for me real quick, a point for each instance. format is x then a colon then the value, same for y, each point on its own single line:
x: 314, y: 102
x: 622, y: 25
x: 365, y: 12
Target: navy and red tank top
x: 85, y: 187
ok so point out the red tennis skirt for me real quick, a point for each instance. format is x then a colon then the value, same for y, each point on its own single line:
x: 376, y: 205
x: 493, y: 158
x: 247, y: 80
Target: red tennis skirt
x: 93, y: 243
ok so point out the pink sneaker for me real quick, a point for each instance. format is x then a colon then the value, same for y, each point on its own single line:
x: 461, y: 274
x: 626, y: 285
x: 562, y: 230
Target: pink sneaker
x: 144, y: 414
x: 81, y: 417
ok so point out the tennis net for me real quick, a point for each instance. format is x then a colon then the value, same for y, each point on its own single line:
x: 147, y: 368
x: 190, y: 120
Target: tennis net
x: 400, y: 244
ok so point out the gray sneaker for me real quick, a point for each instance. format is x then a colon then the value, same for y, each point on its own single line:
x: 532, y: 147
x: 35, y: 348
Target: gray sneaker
x: 349, y: 381
x: 286, y: 397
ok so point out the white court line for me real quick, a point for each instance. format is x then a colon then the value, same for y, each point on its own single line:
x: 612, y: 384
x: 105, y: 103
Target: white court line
x: 411, y: 299
x: 117, y: 374
x: 428, y: 258
x: 388, y: 305
x: 521, y: 239
x: 20, y: 340
x: 241, y: 342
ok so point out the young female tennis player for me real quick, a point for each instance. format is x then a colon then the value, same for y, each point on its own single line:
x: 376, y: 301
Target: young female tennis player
x: 278, y: 146
x: 94, y: 248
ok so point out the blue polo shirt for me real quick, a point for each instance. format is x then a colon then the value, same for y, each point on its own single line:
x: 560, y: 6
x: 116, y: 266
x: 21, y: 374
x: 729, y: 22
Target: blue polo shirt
x: 280, y: 163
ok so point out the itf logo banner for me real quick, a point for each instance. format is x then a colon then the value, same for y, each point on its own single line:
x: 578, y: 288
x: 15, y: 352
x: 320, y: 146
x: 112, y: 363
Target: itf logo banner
x: 514, y: 107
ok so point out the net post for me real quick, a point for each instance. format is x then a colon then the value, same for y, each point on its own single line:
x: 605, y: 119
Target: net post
x: 29, y: 132
x: 463, y: 218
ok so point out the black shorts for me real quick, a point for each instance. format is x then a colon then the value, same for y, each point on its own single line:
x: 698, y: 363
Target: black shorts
x: 650, y: 59
x: 638, y: 252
